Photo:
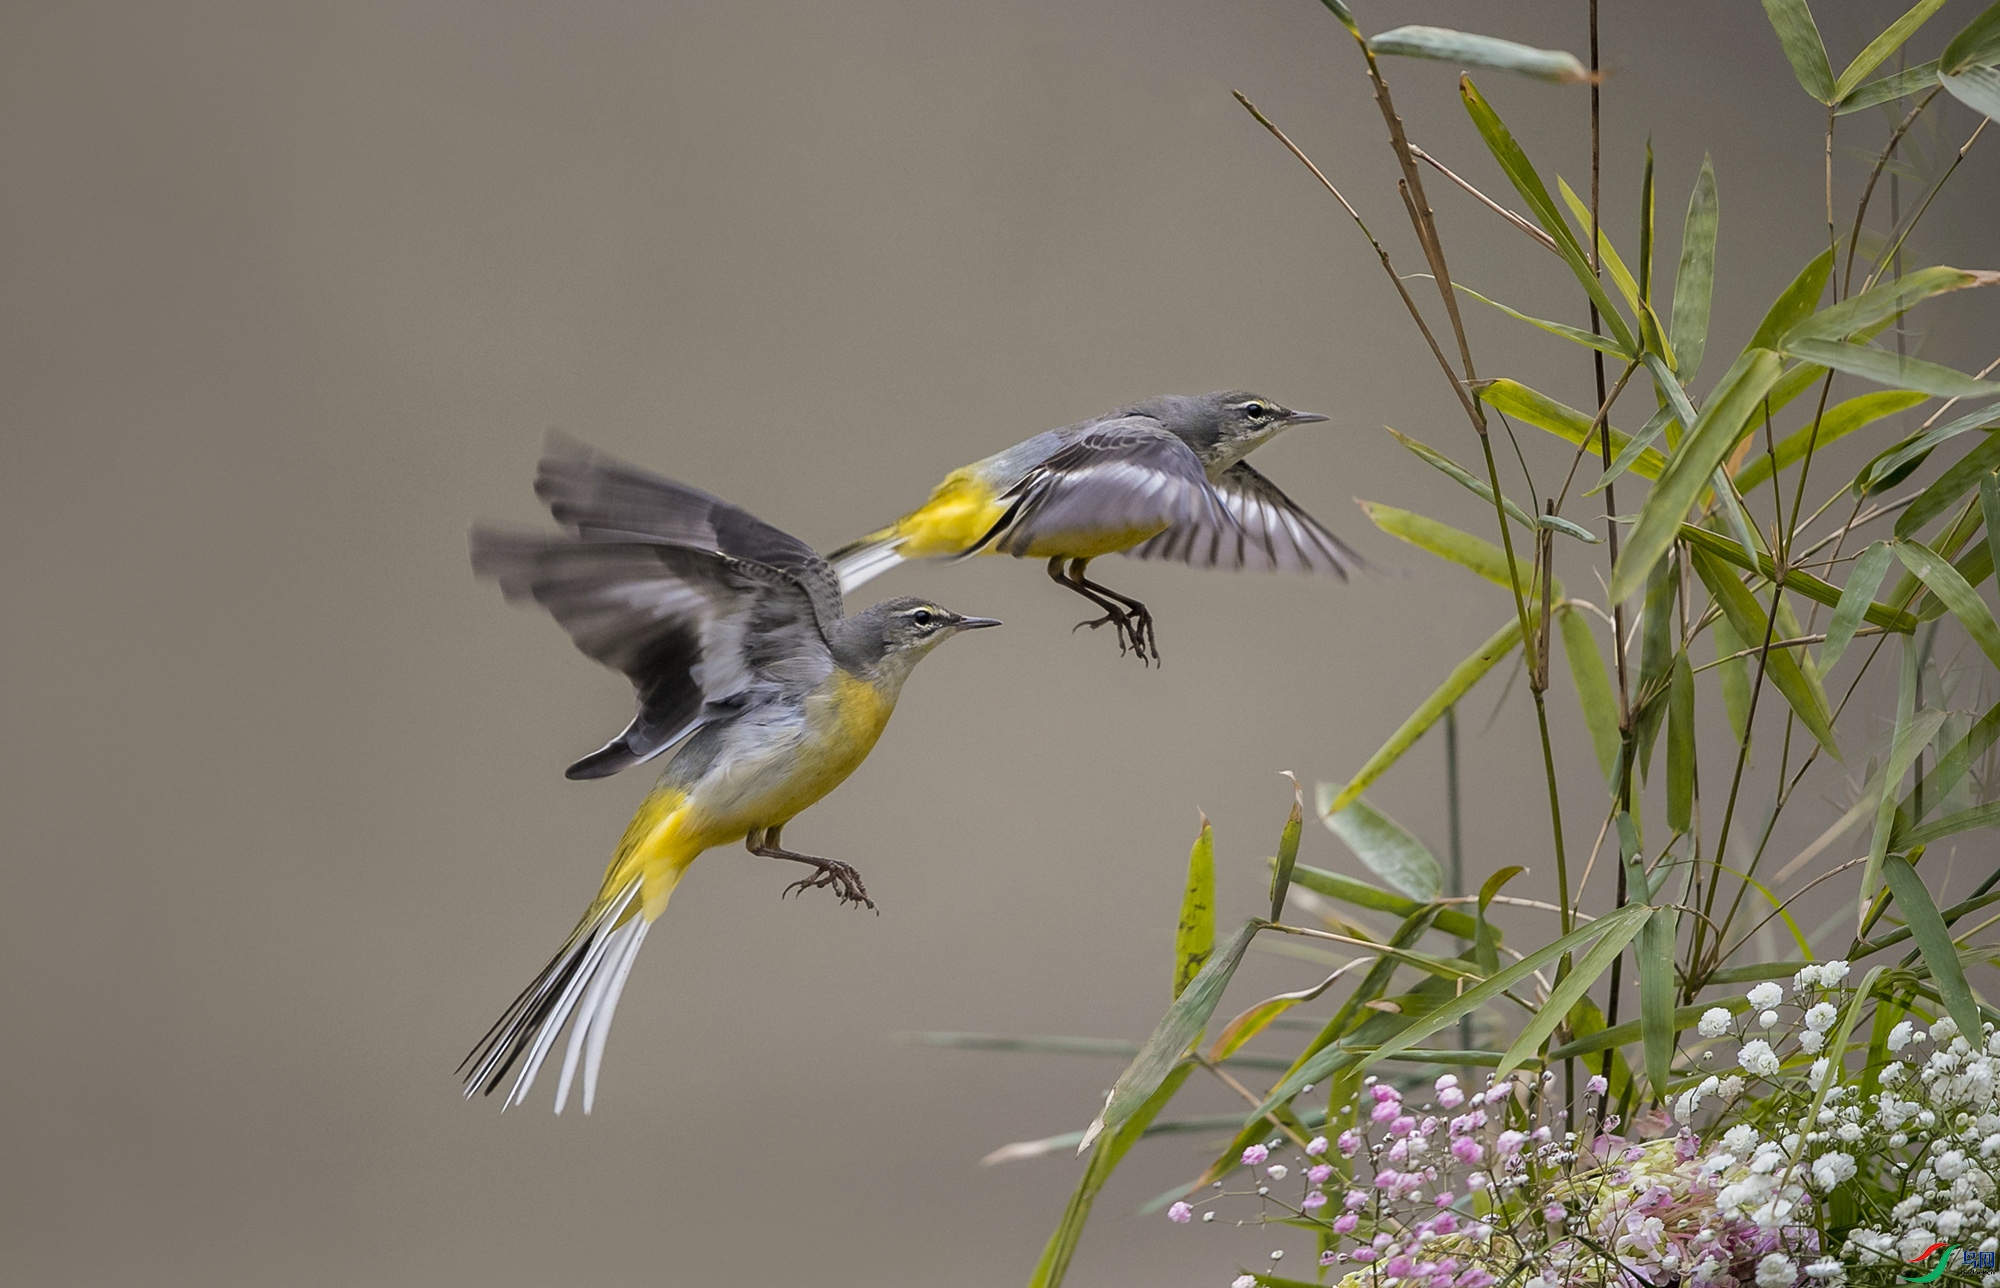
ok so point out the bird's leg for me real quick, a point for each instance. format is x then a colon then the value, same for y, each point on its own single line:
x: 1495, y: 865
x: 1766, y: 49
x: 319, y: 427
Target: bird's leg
x: 1114, y: 616
x: 1134, y: 619
x: 846, y: 882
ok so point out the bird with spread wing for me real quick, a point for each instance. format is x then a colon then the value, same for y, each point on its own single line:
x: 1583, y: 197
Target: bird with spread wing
x: 1162, y: 479
x: 733, y: 636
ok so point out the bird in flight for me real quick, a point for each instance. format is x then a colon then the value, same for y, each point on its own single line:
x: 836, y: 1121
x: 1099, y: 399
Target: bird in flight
x: 733, y: 636
x: 1162, y: 479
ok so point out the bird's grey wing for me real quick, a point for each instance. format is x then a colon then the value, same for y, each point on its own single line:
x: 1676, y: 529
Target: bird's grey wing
x: 1120, y: 476
x: 699, y: 634
x: 1269, y: 533
x: 603, y: 498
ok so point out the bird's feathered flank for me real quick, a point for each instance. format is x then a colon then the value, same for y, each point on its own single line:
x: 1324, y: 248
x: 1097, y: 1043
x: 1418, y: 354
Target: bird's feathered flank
x: 1112, y: 485
x: 580, y: 986
x: 1267, y: 532
x: 700, y: 604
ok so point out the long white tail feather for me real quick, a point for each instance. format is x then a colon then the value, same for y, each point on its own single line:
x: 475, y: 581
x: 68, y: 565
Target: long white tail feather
x: 573, y: 976
x: 600, y: 1023
x: 864, y: 563
x: 614, y: 949
x: 552, y: 1023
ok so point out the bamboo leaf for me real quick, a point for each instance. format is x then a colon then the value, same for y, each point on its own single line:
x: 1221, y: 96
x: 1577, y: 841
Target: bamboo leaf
x: 1804, y: 583
x: 1468, y: 50
x: 1964, y: 602
x: 1989, y: 506
x: 1485, y: 939
x: 1839, y: 421
x: 1521, y: 173
x: 1658, y: 423
x: 1577, y: 335
x: 1607, y: 254
x: 1656, y: 995
x: 1389, y: 850
x: 1685, y: 1017
x: 1444, y: 541
x: 1708, y: 443
x: 1647, y: 205
x: 1902, y: 750
x: 1656, y: 654
x: 1882, y: 46
x: 1568, y: 989
x: 1976, y: 45
x: 1194, y: 937
x: 1862, y: 583
x: 1361, y: 894
x: 1455, y: 686
x: 1803, y: 48
x: 1177, y: 1031
x: 1965, y: 820
x: 1750, y: 623
x: 1061, y: 1247
x: 1920, y: 913
x: 1513, y: 398
x: 1976, y: 87
x: 1593, y: 690
x: 1477, y: 486
x: 1288, y: 853
x: 1694, y: 282
x: 1680, y: 746
x: 1732, y: 674
x: 1955, y: 482
x: 1889, y: 88
x: 1885, y: 368
x: 1795, y: 303
x: 1258, y: 1018
x: 1893, y: 465
x: 1884, y: 303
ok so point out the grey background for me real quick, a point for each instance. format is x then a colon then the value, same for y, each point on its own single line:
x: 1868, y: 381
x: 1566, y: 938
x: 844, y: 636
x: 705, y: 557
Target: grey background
x: 290, y: 295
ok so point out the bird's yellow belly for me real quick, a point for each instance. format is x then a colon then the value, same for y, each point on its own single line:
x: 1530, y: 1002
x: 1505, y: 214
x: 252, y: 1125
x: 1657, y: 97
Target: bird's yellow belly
x: 1086, y: 544
x: 769, y: 779
x: 961, y: 511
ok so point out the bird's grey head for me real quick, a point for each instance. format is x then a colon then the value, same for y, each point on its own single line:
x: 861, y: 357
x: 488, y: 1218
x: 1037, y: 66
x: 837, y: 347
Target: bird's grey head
x: 885, y: 640
x: 1224, y: 427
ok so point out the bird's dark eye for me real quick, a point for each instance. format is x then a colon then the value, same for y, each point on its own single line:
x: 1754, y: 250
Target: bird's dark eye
x: 1255, y: 410
x: 921, y: 617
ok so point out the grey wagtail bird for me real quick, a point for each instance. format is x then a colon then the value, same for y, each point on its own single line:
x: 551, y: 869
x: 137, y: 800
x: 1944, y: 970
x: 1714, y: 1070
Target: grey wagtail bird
x: 1161, y: 479
x: 733, y: 636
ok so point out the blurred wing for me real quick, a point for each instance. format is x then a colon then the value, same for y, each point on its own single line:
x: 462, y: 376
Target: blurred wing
x: 603, y: 498
x: 1270, y: 533
x: 698, y: 633
x: 1126, y: 476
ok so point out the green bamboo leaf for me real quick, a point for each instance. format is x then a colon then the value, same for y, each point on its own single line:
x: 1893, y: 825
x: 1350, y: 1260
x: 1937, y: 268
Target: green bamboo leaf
x: 1250, y: 1023
x: 1521, y: 173
x: 1795, y: 303
x: 1685, y: 1017
x: 1976, y: 45
x: 1854, y: 600
x: 1884, y: 303
x: 1963, y: 601
x: 1660, y: 422
x: 1647, y: 204
x: 1733, y: 676
x: 1694, y: 283
x: 1885, y: 368
x: 1577, y: 335
x: 1749, y: 621
x: 1477, y: 486
x: 1194, y: 938
x: 1607, y: 254
x: 1656, y: 995
x: 1882, y: 46
x: 1965, y: 748
x: 1803, y: 48
x: 1593, y: 690
x: 1485, y: 939
x: 1061, y: 1247
x: 1656, y: 655
x: 1708, y: 443
x: 1963, y: 476
x: 1621, y: 923
x: 1288, y: 853
x: 1839, y: 421
x: 1571, y: 986
x: 1444, y: 541
x: 1346, y: 16
x: 1680, y: 746
x: 1976, y: 87
x: 1934, y: 943
x: 1361, y: 894
x: 1989, y: 506
x: 1391, y: 853
x: 1804, y: 583
x: 1178, y: 1030
x: 1965, y: 820
x: 1513, y: 398
x: 1896, y: 463
x: 1455, y: 686
x: 1902, y: 750
x: 1889, y: 88
x: 1468, y: 50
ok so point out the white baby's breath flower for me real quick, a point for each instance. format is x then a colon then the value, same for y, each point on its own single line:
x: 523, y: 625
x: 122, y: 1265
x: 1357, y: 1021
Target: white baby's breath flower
x: 1714, y: 1022
x: 1740, y: 1139
x: 1768, y: 1020
x: 1766, y: 995
x: 1821, y: 1017
x: 1829, y: 1170
x: 1757, y: 1058
x: 1829, y: 1271
x: 1811, y: 1041
x: 1944, y: 1030
x: 1900, y: 1036
x: 1831, y: 973
x: 1777, y: 1270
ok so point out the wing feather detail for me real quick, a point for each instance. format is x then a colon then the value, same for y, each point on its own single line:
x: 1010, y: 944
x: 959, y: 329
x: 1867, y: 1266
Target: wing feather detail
x: 1266, y: 532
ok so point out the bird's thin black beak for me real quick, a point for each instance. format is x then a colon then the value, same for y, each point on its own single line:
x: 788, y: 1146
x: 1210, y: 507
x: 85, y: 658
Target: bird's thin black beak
x: 976, y: 623
x: 1304, y: 418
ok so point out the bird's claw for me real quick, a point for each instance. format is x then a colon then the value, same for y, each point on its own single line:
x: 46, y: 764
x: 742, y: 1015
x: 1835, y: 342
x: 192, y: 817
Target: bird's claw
x: 1134, y: 631
x: 841, y: 877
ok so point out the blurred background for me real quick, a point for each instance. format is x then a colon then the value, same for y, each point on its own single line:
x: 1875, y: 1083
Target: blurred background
x: 291, y: 295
